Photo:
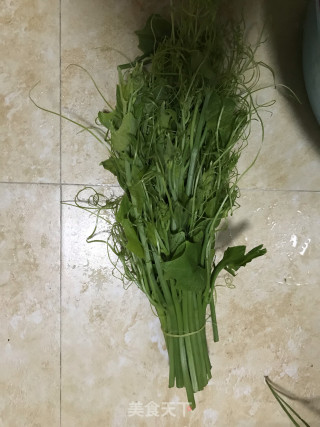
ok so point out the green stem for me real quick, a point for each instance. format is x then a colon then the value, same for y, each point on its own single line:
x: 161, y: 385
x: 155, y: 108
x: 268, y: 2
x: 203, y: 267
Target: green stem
x: 214, y: 320
x: 183, y: 351
x: 284, y: 405
x: 174, y: 368
x: 190, y: 356
x: 195, y: 325
x: 156, y: 292
x: 190, y: 350
x: 202, y: 317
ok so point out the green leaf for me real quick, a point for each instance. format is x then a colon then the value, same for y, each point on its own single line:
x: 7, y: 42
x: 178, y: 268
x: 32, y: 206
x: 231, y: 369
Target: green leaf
x: 168, y: 151
x: 162, y: 239
x: 163, y: 212
x: 107, y: 119
x: 175, y: 240
x: 151, y: 233
x: 110, y: 165
x: 154, y: 32
x: 121, y: 138
x: 227, y: 119
x: 212, y: 111
x: 210, y: 207
x: 179, y: 250
x: 186, y: 269
x: 124, y: 209
x: 137, y: 195
x: 198, y: 237
x: 235, y: 257
x: 165, y: 116
x: 200, y: 64
x: 138, y: 169
x: 129, y: 124
x: 133, y: 242
x: 180, y: 216
x: 120, y: 141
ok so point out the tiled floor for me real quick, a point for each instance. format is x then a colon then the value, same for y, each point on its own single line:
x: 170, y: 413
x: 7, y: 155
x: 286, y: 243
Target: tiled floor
x: 76, y: 349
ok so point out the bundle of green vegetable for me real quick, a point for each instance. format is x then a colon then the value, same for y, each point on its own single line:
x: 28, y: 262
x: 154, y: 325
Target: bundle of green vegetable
x: 182, y: 116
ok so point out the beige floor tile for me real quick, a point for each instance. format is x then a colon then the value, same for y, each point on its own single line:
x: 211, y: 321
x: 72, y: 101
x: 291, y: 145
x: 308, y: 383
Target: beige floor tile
x: 290, y: 155
x: 29, y: 305
x: 29, y: 51
x: 269, y: 324
x: 95, y: 35
x: 113, y: 351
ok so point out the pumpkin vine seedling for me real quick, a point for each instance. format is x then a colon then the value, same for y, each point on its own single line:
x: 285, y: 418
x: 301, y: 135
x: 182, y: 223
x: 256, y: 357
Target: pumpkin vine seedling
x: 182, y: 114
x: 181, y: 120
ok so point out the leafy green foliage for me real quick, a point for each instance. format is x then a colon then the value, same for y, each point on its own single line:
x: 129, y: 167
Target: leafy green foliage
x: 186, y: 270
x: 121, y: 137
x: 110, y: 165
x: 154, y: 32
x: 180, y: 122
x: 133, y: 243
x: 123, y: 209
x: 235, y: 257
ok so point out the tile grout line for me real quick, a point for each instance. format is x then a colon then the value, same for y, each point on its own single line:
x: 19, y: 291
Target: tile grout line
x: 60, y: 246
x: 59, y: 184
x: 278, y: 190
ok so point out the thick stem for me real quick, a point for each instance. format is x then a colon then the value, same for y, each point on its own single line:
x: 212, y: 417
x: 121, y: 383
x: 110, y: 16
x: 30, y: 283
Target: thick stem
x: 214, y: 320
x: 187, y: 345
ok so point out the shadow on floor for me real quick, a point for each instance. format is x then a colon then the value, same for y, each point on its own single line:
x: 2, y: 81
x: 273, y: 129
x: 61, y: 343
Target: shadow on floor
x: 284, y: 22
x: 227, y: 236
